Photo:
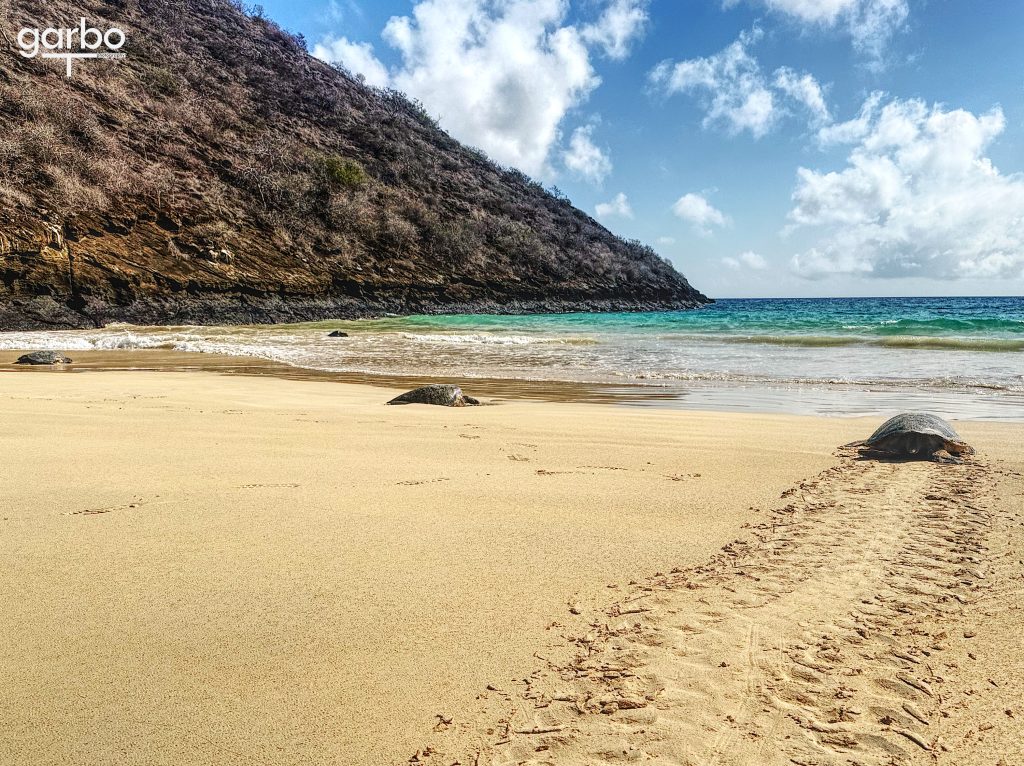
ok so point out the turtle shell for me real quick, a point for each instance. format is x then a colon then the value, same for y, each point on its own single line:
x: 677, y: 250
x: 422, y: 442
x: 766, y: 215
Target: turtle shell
x: 915, y: 422
x: 441, y: 395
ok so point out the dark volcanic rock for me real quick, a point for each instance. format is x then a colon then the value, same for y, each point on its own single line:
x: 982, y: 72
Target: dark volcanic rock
x: 44, y: 357
x: 221, y: 174
x: 338, y: 334
x: 441, y: 395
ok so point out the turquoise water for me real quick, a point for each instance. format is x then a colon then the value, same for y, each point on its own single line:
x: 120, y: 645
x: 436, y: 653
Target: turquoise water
x: 982, y: 324
x: 960, y: 356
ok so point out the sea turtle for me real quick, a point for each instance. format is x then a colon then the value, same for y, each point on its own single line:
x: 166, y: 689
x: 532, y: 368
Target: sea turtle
x: 441, y: 395
x: 915, y: 436
x: 44, y: 357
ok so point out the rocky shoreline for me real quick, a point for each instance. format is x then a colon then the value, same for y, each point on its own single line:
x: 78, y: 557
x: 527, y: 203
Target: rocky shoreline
x: 45, y: 313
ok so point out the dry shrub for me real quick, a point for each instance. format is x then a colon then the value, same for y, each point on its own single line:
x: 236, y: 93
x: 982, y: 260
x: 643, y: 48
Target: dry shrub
x: 71, y: 195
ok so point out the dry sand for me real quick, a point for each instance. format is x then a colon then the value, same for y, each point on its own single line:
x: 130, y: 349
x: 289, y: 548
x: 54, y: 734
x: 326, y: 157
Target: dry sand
x: 211, y: 569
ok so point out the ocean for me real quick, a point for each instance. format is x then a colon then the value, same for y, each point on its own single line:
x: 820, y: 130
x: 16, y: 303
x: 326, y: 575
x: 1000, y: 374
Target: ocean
x: 961, y: 357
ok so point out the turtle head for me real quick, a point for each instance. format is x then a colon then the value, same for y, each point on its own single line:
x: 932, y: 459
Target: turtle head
x: 914, y: 446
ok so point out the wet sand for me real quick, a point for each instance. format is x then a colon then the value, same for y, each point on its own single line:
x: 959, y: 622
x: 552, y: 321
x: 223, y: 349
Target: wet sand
x: 836, y: 399
x: 496, y: 389
x: 205, y: 568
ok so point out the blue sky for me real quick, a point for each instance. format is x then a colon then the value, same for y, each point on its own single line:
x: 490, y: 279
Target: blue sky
x: 767, y: 147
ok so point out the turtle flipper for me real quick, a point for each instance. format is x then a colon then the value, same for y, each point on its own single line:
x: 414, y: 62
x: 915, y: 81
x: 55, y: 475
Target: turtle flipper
x: 869, y: 453
x: 941, y: 456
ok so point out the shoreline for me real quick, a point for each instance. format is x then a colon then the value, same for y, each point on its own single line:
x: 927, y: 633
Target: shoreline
x: 844, y: 400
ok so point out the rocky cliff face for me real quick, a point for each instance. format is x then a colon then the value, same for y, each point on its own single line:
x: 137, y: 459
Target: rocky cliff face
x: 218, y: 173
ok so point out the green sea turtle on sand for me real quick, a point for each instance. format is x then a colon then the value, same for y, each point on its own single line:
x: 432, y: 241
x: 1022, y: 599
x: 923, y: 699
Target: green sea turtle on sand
x: 43, y: 357
x: 441, y: 395
x: 915, y: 436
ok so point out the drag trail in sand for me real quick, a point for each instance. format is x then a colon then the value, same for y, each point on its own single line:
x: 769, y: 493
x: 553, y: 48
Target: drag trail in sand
x: 821, y: 638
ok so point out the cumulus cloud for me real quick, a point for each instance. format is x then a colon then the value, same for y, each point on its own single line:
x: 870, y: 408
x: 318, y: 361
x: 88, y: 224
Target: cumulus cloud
x: 736, y: 93
x: 701, y: 214
x: 869, y: 23
x: 358, y: 58
x: 584, y: 158
x: 804, y: 89
x: 734, y: 89
x: 749, y: 260
x: 852, y: 131
x: 917, y: 198
x: 666, y: 241
x: 499, y: 75
x: 622, y: 22
x: 617, y: 207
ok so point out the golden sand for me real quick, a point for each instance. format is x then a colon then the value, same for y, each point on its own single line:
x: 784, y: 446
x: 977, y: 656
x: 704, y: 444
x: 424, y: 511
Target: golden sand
x: 212, y: 569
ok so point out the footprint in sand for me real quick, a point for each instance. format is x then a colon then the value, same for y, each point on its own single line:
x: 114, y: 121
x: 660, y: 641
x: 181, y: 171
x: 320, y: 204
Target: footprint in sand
x: 682, y: 476
x: 138, y: 502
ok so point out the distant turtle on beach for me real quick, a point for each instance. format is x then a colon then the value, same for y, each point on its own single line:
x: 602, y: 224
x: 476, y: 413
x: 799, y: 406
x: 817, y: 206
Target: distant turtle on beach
x: 338, y: 334
x: 915, y: 436
x: 441, y: 395
x: 44, y: 357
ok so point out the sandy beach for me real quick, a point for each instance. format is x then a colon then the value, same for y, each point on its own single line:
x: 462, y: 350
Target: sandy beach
x: 207, y: 569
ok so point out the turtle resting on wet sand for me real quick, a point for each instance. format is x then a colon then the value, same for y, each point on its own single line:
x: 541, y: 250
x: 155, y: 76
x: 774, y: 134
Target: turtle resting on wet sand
x: 443, y: 396
x: 915, y: 436
x: 44, y: 357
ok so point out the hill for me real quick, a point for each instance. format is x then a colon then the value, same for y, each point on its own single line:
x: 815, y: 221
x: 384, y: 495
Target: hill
x: 218, y: 173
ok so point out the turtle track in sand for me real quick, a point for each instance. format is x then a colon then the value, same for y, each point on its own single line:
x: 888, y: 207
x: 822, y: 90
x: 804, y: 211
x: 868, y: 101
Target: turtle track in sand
x: 816, y: 640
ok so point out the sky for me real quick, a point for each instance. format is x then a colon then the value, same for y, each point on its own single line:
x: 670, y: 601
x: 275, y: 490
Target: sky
x: 768, y: 148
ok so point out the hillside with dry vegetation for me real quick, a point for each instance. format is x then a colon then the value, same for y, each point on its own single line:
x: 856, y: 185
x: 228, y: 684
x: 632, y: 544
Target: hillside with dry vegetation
x: 219, y: 173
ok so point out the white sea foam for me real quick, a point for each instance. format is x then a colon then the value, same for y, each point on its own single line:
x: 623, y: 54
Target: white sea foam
x: 567, y: 354
x: 487, y: 339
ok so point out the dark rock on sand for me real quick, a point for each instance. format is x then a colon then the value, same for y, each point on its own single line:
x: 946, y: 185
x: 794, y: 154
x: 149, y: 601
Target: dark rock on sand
x: 44, y: 357
x: 440, y: 395
x: 338, y: 334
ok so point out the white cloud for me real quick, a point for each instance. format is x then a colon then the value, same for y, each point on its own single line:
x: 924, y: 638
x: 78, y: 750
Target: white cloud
x: 337, y: 11
x: 804, y: 89
x: 498, y: 75
x: 619, y: 206
x: 622, y: 22
x: 851, y: 131
x: 735, y: 91
x: 917, y: 198
x: 666, y: 241
x: 695, y: 209
x: 584, y: 158
x: 870, y: 23
x: 358, y: 58
x: 749, y: 260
